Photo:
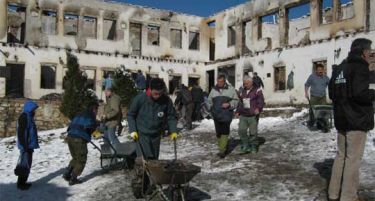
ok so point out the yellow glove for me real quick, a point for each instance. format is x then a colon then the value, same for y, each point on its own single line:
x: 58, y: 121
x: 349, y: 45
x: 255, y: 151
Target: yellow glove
x: 135, y: 136
x: 173, y: 136
x: 96, y: 134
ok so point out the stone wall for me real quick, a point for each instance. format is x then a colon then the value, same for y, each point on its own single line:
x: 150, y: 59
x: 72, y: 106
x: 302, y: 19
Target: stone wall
x: 47, y: 116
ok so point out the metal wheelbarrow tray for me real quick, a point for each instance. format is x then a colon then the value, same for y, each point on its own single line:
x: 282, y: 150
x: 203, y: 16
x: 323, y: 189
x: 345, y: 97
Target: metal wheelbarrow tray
x: 171, y: 172
x: 109, y: 154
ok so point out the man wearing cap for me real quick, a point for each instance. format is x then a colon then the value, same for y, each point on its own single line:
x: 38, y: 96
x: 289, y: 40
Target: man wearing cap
x: 354, y: 117
x: 112, y: 115
x: 148, y: 116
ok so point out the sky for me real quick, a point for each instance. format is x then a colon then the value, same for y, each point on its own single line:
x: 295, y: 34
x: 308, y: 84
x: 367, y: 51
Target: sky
x: 206, y: 8
x: 202, y: 8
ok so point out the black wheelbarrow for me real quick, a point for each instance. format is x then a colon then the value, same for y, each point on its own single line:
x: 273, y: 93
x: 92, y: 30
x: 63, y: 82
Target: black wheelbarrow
x: 117, y: 155
x: 167, y: 178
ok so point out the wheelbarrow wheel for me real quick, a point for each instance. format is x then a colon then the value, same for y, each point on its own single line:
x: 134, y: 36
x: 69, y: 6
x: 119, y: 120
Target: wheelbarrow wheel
x: 106, y: 163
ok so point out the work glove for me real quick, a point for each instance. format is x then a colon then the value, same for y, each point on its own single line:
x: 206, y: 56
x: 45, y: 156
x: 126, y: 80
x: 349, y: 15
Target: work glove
x: 96, y: 134
x: 134, y: 136
x: 173, y: 136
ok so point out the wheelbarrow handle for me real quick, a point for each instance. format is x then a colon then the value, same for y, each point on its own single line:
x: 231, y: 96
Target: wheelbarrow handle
x: 95, y: 146
x: 142, y: 150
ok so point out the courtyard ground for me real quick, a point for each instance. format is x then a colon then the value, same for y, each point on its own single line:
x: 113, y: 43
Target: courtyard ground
x: 293, y: 164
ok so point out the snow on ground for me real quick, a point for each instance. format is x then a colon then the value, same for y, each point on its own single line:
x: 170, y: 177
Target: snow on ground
x: 293, y: 164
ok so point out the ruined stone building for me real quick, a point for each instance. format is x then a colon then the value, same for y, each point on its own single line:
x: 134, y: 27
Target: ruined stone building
x: 264, y: 36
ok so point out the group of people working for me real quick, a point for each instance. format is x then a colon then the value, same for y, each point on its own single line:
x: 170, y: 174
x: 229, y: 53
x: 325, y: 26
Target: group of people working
x: 152, y: 112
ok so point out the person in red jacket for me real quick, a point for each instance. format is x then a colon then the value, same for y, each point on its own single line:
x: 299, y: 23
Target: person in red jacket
x: 250, y: 106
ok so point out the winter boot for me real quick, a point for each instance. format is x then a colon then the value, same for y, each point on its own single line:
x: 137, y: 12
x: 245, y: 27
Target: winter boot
x: 22, y: 184
x: 245, y: 148
x: 253, y: 149
x: 223, y: 143
x: 68, y: 173
x: 73, y: 180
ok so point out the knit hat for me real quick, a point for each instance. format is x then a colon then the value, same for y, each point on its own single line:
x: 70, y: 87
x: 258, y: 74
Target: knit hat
x: 157, y: 84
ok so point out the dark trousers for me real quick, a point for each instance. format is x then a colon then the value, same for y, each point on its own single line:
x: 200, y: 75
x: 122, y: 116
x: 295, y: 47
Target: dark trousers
x: 222, y: 128
x: 22, y: 179
x: 196, y: 113
x: 189, y: 109
x: 78, y: 151
x: 150, y: 146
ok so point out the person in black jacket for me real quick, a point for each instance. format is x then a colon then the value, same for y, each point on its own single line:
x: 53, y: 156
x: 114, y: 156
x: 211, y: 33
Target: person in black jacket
x: 354, y: 117
x: 257, y: 80
x: 197, y: 94
x: 185, y: 99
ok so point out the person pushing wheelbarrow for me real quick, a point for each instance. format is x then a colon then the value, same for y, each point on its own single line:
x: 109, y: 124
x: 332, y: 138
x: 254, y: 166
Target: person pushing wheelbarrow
x: 150, y: 114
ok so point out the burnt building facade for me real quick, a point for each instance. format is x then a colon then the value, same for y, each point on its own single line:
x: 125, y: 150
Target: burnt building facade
x: 279, y: 39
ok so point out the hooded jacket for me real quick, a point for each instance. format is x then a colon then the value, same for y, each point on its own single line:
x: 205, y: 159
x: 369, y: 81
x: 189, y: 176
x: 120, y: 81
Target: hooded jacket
x: 82, y: 126
x: 27, y: 135
x: 217, y: 97
x: 352, y: 99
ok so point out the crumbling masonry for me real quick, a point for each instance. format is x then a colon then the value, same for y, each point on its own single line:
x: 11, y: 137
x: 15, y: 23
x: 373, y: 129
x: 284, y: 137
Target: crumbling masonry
x: 261, y: 36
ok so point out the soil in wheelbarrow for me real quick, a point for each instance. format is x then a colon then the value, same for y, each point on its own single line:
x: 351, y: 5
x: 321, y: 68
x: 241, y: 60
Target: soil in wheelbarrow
x: 172, y: 172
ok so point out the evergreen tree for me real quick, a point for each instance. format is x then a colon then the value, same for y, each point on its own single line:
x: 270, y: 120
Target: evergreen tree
x: 124, y: 86
x: 77, y: 96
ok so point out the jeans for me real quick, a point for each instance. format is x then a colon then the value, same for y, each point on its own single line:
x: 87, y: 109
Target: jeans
x: 110, y: 134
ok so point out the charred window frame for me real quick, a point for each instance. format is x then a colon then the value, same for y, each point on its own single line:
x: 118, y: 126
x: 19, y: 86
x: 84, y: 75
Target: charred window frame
x: 109, y: 29
x: 279, y: 78
x: 272, y: 18
x: 16, y: 24
x: 176, y: 38
x: 49, y: 22
x: 89, y: 26
x: 346, y: 9
x: 326, y: 14
x: 297, y: 15
x: 48, y: 76
x: 231, y: 35
x: 153, y: 35
x: 70, y: 24
x: 135, y: 38
x: 194, y: 40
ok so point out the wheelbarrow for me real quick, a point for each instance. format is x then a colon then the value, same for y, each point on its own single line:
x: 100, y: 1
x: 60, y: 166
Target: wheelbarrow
x: 110, y: 155
x: 170, y: 177
x: 320, y: 117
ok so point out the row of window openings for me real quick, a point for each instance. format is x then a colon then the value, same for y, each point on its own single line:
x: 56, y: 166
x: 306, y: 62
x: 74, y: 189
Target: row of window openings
x: 49, y: 26
x: 294, y: 13
x: 48, y: 78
